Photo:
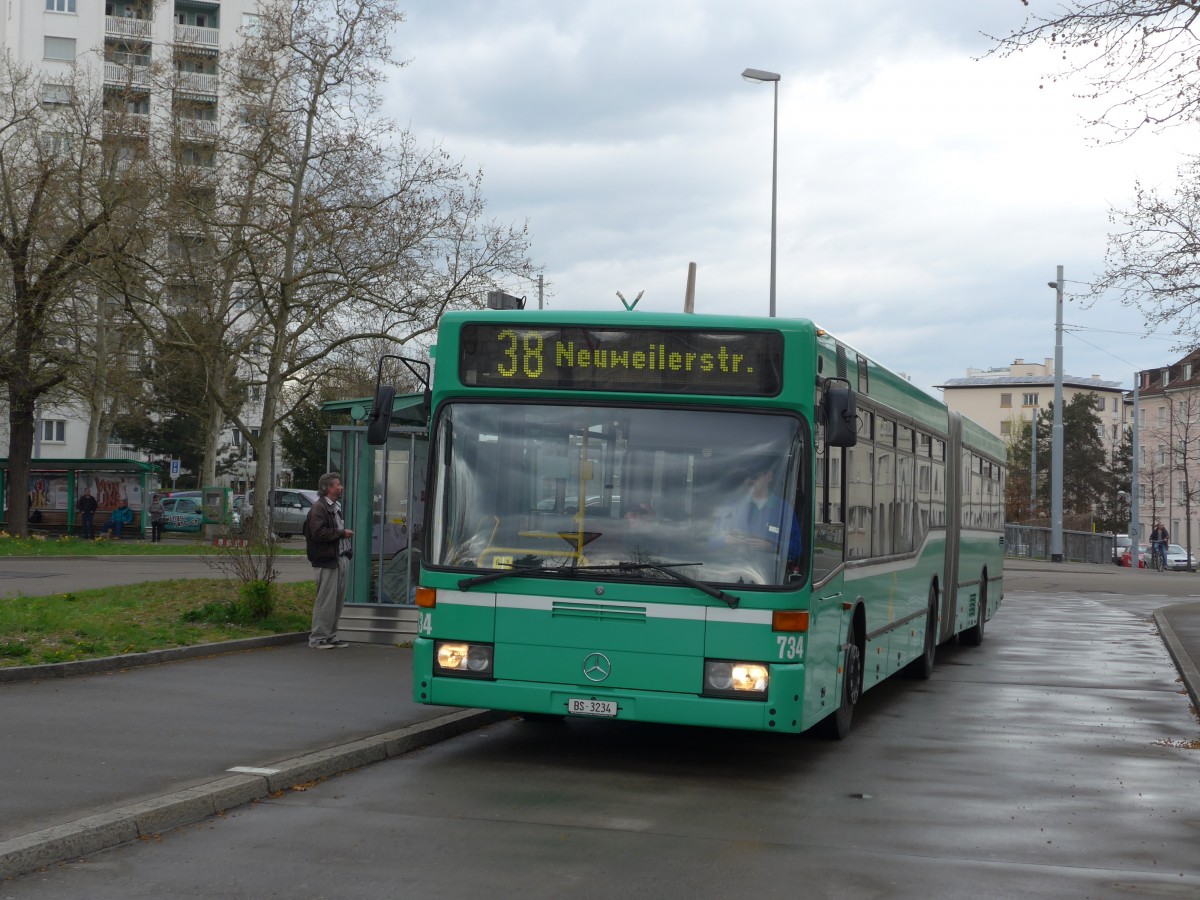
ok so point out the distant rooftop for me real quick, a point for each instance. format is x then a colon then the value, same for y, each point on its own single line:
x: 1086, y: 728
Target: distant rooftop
x: 1023, y: 373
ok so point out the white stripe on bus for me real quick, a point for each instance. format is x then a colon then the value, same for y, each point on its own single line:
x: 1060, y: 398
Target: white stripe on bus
x: 651, y: 610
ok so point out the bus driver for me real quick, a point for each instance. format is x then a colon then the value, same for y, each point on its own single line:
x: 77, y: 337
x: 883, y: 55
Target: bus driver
x: 760, y: 519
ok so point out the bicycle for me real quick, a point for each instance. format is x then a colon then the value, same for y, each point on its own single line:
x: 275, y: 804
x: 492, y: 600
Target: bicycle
x: 1159, y: 554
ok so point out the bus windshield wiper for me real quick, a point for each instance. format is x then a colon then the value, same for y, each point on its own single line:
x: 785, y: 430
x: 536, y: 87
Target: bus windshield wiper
x: 667, y: 569
x: 465, y: 584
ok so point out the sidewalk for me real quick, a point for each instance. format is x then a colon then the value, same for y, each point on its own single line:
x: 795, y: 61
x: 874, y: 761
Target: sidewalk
x: 96, y: 760
x: 119, y: 752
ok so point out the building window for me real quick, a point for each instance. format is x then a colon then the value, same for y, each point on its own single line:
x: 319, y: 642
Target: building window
x: 1005, y: 428
x: 59, y: 48
x: 55, y: 94
x: 1098, y: 401
x: 1162, y: 416
x: 1029, y: 399
x: 1005, y: 401
x: 63, y: 6
x: 54, y: 431
x: 56, y: 144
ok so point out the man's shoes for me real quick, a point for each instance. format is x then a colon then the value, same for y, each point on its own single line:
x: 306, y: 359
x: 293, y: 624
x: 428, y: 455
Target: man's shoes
x: 323, y: 646
x: 339, y: 643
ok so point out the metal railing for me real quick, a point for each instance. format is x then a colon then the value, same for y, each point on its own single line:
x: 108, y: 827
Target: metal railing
x: 1032, y: 542
x: 126, y: 27
x: 194, y: 34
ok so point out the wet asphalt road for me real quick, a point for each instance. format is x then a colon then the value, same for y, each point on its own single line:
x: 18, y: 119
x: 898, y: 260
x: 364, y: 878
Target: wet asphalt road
x: 1061, y: 759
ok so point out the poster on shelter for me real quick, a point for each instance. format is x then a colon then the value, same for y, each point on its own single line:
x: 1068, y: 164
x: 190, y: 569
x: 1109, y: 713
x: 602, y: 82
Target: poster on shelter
x: 110, y: 489
x: 47, y: 491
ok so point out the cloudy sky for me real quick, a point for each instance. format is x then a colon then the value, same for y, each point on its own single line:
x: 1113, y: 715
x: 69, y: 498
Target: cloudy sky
x: 925, y: 195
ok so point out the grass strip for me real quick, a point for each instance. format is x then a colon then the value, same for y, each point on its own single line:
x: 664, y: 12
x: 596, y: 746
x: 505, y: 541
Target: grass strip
x: 139, y: 618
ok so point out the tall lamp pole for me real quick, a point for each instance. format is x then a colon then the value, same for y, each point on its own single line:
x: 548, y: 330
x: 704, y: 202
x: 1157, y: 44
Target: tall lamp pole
x: 1056, y: 459
x: 773, y: 78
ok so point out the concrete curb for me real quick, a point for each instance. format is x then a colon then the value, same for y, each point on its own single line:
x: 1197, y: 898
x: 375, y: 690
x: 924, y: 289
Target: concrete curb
x: 72, y: 840
x: 152, y: 658
x: 1183, y: 661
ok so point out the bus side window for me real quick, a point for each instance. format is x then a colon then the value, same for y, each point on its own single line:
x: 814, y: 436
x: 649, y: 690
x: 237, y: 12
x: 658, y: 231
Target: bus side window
x: 829, y: 530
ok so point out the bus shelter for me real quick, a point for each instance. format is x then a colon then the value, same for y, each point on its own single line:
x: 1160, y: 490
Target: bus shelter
x: 384, y: 504
x: 55, y: 486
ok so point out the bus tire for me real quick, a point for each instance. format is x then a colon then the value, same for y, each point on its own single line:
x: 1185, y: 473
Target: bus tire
x: 922, y: 666
x: 837, y: 726
x: 973, y: 636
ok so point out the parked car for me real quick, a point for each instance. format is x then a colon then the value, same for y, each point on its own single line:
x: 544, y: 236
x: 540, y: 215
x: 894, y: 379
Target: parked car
x: 289, y: 510
x: 1121, y: 543
x: 182, y: 513
x: 1127, y: 556
x: 1178, y: 559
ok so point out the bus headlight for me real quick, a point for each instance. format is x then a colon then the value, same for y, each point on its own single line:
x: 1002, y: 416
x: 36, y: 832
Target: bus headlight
x: 743, y: 680
x: 459, y: 658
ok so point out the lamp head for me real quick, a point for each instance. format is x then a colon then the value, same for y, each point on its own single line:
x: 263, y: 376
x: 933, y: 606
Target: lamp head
x: 1052, y: 284
x: 760, y: 75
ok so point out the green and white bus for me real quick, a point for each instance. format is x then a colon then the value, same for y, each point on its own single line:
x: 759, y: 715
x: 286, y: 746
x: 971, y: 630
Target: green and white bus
x: 700, y: 520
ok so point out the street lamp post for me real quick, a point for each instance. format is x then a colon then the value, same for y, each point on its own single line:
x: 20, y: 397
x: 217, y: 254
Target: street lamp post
x: 1056, y: 458
x: 773, y: 78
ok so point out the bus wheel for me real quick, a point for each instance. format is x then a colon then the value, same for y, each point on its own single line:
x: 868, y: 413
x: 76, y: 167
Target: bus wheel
x: 922, y: 666
x: 837, y: 726
x: 973, y: 636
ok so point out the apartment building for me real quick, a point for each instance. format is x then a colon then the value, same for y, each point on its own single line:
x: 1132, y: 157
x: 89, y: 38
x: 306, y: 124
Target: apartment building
x: 1001, y: 398
x: 125, y: 47
x: 1168, y: 425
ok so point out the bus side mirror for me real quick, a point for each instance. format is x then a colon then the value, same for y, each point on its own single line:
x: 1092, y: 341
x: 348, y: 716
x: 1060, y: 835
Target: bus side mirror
x: 841, y: 416
x: 380, y: 422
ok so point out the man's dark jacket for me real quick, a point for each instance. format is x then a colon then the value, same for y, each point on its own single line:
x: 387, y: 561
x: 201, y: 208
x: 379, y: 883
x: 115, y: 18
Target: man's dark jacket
x: 321, y: 535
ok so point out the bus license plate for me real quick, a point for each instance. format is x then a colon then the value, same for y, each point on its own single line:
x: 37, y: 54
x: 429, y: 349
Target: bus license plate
x: 580, y: 707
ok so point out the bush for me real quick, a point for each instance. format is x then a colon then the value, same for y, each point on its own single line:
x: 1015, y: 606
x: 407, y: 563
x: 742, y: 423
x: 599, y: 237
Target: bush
x: 256, y: 605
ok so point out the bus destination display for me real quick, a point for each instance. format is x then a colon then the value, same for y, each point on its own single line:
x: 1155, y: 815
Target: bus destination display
x: 653, y: 360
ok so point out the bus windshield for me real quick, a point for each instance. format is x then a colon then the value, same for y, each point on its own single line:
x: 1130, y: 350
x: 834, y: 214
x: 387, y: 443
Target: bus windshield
x: 544, y: 486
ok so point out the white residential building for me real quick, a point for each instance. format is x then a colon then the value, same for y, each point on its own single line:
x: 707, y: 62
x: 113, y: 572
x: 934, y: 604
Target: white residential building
x: 1001, y: 398
x: 115, y: 44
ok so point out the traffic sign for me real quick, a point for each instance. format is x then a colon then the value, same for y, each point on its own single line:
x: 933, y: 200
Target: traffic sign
x: 174, y: 468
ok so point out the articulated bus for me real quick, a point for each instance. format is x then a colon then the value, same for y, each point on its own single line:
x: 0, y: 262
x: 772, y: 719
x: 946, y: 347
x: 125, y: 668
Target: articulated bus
x: 700, y: 520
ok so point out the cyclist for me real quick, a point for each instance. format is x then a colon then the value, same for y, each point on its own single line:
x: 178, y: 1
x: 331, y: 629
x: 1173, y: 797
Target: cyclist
x: 1159, y: 538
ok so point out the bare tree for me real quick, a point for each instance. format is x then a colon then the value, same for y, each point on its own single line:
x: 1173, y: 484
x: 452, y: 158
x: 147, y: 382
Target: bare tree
x: 1152, y: 262
x: 336, y: 230
x: 61, y: 187
x: 1140, y: 56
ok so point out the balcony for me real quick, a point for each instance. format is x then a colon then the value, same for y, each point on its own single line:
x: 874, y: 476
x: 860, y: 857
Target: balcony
x: 194, y: 36
x: 123, y: 75
x: 198, y: 130
x: 135, y: 124
x: 197, y: 83
x: 120, y: 26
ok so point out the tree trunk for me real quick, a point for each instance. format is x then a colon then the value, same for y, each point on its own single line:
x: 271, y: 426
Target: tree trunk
x: 21, y: 404
x: 212, y: 435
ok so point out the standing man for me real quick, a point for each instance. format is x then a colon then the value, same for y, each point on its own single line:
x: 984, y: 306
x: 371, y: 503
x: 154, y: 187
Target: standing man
x: 327, y: 543
x: 87, y: 514
x: 157, y: 511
